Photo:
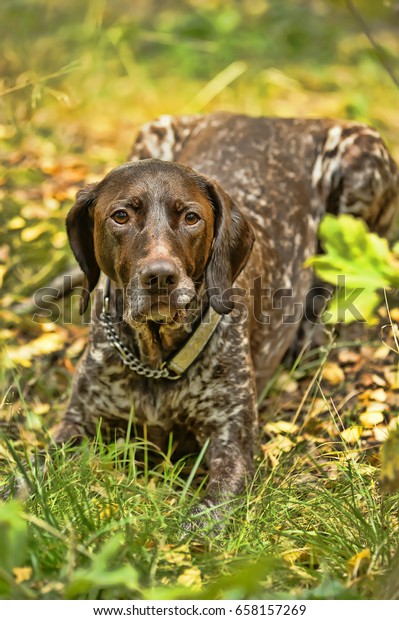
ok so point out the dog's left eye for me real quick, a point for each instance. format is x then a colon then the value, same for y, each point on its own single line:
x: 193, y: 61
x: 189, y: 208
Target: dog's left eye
x: 191, y: 218
x: 120, y: 217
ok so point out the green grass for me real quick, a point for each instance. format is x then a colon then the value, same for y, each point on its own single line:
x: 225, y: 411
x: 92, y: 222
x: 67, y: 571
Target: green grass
x: 101, y: 526
x: 79, y: 79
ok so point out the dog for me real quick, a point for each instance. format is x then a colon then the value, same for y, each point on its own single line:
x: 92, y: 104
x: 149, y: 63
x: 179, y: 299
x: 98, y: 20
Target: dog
x: 197, y: 248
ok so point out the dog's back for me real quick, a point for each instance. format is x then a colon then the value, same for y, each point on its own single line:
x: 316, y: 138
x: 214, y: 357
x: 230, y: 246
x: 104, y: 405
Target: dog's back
x: 284, y: 174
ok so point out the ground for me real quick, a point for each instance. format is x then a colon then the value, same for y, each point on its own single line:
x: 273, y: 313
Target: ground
x: 320, y: 520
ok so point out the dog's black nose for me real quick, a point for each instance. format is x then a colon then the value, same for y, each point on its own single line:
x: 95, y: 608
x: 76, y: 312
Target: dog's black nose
x: 161, y: 274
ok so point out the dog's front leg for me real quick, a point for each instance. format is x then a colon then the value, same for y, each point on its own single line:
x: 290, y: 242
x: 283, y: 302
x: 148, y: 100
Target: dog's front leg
x: 231, y: 469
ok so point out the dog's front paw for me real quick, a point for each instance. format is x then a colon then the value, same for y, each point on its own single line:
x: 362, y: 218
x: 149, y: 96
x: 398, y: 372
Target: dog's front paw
x: 205, y: 518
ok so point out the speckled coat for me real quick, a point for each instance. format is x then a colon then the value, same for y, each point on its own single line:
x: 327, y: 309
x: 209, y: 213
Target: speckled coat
x: 283, y: 175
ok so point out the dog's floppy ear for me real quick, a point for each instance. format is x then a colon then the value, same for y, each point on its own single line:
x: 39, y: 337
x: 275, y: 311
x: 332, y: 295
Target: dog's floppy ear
x: 232, y: 245
x: 80, y: 226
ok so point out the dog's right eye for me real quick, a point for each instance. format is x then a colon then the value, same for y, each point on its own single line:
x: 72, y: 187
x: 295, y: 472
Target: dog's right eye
x: 120, y: 217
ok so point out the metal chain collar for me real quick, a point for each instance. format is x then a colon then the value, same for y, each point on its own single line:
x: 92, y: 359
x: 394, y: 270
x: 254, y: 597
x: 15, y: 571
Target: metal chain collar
x: 126, y: 355
x: 172, y: 369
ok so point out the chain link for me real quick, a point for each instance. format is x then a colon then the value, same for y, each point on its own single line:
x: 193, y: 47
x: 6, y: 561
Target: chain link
x: 126, y: 355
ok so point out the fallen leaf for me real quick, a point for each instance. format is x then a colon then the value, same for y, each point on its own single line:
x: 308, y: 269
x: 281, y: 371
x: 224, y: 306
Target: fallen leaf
x: 319, y: 405
x: 392, y: 377
x: 379, y: 395
x: 394, y: 312
x: 381, y: 352
x: 16, y: 222
x: 281, y: 426
x: 45, y: 344
x: 22, y: 573
x: 374, y: 407
x: 352, y: 434
x: 348, y: 356
x: 191, y: 577
x: 371, y: 419
x: 52, y: 586
x: 359, y: 563
x: 69, y: 366
x: 333, y: 373
x: 76, y: 348
x: 41, y: 409
x: 381, y: 433
x: 394, y: 423
x: 108, y: 510
x: 378, y: 380
x: 33, y: 232
x: 176, y: 555
x: 365, y: 395
x: 59, y: 240
x: 279, y: 444
x: 30, y: 212
x: 286, y: 383
x: 51, y: 203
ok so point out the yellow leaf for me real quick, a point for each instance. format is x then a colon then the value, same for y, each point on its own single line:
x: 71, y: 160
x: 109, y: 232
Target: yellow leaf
x: 190, y: 577
x: 394, y: 312
x: 76, y: 348
x: 34, y: 212
x: 281, y: 426
x: 381, y: 352
x: 303, y: 555
x: 45, y: 344
x: 279, y: 444
x: 52, y: 204
x: 41, y: 409
x: 22, y: 573
x: 59, y: 240
x: 379, y: 395
x: 369, y: 419
x: 359, y: 563
x: 52, y: 586
x: 392, y: 377
x: 374, y: 407
x: 352, y: 434
x: 378, y: 380
x: 16, y: 222
x: 286, y: 383
x: 333, y: 373
x: 108, y: 511
x: 177, y: 555
x: 394, y: 424
x: 319, y: 406
x: 33, y: 232
x: 381, y: 433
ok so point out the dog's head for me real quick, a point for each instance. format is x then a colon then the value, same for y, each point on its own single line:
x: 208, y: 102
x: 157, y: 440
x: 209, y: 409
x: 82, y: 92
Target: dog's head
x: 159, y: 230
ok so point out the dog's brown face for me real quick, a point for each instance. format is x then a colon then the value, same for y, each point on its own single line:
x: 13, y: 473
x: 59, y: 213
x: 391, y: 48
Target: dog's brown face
x: 159, y: 230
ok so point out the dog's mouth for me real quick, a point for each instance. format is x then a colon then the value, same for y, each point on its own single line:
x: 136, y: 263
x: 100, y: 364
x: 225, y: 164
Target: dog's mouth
x: 172, y: 309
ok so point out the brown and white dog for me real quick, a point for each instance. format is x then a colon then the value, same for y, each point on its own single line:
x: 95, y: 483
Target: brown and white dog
x: 214, y: 216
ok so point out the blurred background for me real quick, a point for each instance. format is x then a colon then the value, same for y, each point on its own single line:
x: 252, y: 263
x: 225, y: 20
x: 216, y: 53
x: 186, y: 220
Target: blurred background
x: 78, y: 79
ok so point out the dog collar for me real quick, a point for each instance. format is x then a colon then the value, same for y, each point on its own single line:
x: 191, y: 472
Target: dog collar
x: 170, y: 369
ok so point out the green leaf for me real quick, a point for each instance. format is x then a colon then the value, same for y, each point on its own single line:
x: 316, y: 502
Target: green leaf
x: 362, y: 258
x: 99, y: 575
x: 13, y: 537
x: 343, y: 308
